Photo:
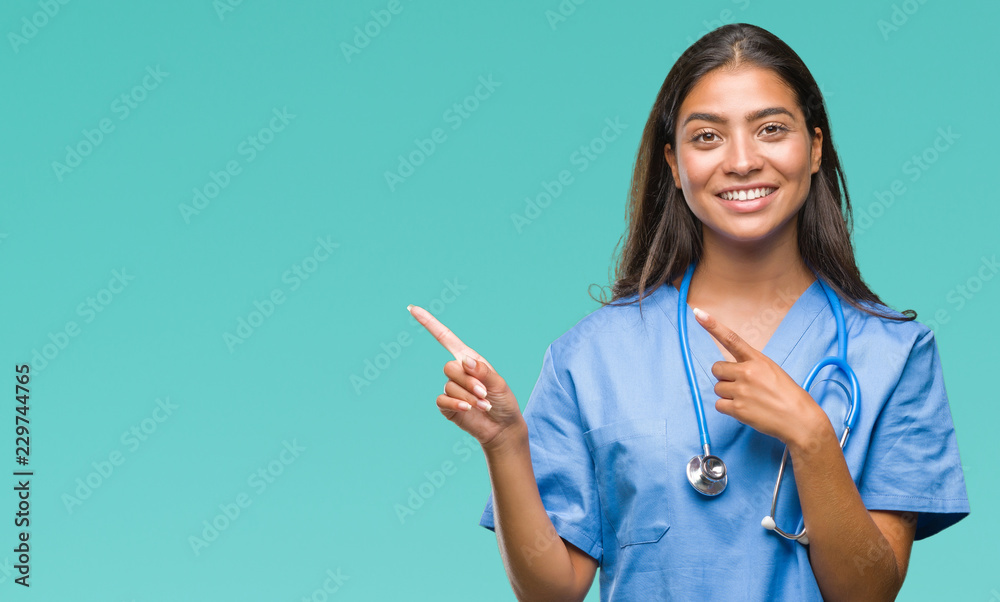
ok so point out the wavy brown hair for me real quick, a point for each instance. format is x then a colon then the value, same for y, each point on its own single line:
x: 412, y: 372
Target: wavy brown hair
x: 664, y: 236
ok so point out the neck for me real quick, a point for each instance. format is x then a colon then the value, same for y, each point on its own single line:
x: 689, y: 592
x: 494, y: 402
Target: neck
x: 750, y: 272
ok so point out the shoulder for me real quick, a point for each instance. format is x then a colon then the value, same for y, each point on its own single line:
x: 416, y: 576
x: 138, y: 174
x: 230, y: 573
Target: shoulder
x: 883, y: 332
x: 625, y: 322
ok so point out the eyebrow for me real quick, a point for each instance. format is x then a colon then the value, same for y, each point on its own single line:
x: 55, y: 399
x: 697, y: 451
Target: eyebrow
x: 752, y: 116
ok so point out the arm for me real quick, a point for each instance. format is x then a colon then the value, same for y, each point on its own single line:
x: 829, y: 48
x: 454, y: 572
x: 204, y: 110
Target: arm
x: 539, y: 564
x: 855, y: 553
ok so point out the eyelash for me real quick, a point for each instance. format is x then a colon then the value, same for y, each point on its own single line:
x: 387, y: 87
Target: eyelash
x: 780, y: 127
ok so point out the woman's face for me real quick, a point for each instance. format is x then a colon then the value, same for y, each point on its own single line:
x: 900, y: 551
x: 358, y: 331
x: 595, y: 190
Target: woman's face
x: 737, y: 132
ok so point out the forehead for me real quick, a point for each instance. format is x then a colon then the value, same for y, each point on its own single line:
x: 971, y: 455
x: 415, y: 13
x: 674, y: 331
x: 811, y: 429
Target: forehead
x: 735, y: 93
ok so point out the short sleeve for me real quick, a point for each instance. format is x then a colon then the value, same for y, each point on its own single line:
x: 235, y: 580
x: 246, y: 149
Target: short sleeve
x: 563, y: 466
x: 913, y: 462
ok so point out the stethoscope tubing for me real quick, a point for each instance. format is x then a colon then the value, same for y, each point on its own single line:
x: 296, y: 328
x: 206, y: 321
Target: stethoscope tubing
x: 838, y: 361
x: 699, y: 407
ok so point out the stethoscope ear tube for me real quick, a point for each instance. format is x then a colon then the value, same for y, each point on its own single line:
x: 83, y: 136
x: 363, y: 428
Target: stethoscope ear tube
x: 840, y: 363
x: 768, y: 522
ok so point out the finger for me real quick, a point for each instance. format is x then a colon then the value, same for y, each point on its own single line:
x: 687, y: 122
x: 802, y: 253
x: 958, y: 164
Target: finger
x: 725, y: 389
x: 456, y: 391
x: 458, y: 373
x: 740, y: 349
x: 443, y: 335
x: 727, y: 371
x: 725, y: 406
x: 446, y: 403
x: 458, y: 395
x: 483, y: 372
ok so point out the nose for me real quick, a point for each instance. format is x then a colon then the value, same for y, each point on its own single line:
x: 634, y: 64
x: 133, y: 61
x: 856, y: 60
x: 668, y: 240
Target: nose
x: 742, y: 155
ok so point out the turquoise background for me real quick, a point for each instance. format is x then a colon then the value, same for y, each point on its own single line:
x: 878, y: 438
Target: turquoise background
x: 447, y: 227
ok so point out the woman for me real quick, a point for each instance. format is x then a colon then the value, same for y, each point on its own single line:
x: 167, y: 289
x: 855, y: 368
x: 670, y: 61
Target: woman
x: 737, y: 176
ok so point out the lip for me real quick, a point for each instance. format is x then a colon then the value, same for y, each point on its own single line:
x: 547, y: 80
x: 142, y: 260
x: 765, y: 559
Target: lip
x: 748, y: 187
x: 748, y: 206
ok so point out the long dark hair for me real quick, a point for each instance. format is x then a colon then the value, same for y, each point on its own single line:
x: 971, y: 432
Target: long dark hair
x: 664, y: 236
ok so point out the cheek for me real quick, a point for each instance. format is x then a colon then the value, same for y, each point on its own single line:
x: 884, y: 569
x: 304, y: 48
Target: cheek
x: 695, y: 169
x: 792, y: 160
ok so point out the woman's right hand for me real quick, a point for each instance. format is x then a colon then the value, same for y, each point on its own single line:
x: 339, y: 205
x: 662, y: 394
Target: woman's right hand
x: 475, y: 397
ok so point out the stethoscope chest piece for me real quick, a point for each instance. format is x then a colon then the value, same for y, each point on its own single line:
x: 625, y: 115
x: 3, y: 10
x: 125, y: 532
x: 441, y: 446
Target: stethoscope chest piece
x: 707, y: 474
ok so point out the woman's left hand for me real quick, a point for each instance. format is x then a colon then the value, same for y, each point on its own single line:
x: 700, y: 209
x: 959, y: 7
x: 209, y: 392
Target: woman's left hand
x: 755, y: 390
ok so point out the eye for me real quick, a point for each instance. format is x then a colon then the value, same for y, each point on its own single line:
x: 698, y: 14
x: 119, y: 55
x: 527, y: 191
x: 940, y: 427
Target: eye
x: 698, y: 135
x: 776, y: 128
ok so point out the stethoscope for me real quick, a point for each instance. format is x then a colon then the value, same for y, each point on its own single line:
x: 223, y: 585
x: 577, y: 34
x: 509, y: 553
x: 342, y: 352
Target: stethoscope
x: 707, y: 473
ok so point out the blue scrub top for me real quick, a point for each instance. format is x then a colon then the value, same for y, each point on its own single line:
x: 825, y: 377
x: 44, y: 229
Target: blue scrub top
x: 612, y: 427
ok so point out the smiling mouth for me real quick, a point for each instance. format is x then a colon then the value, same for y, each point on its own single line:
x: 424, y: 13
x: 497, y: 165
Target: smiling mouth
x: 746, y: 195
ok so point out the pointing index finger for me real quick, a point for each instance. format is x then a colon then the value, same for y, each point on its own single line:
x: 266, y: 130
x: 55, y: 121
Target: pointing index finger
x: 443, y: 335
x: 740, y: 349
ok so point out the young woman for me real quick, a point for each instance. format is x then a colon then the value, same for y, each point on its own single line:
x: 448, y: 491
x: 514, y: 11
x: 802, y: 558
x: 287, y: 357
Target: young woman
x: 738, y: 203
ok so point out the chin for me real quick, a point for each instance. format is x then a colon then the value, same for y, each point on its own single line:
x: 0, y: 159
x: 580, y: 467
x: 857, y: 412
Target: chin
x: 748, y: 236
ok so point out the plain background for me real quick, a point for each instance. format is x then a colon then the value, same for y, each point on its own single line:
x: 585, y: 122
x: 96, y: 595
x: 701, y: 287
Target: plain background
x: 444, y: 237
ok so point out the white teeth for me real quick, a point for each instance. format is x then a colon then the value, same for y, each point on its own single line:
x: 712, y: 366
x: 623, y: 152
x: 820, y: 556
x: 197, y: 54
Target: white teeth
x: 746, y: 195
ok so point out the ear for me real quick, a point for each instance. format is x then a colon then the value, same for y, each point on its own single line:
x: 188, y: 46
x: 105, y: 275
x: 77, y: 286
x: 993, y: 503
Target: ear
x: 671, y: 157
x: 817, y: 149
